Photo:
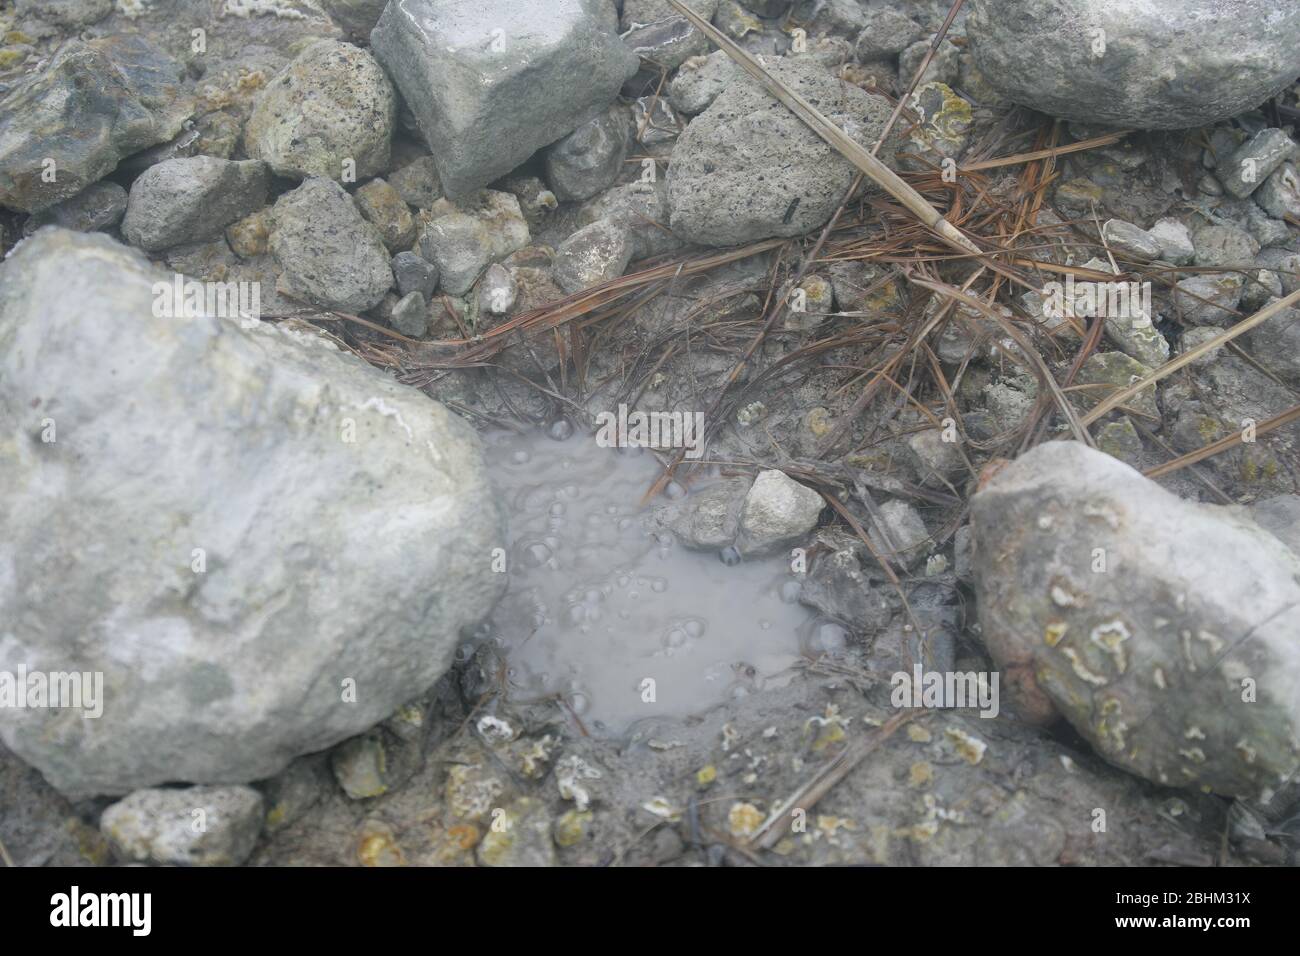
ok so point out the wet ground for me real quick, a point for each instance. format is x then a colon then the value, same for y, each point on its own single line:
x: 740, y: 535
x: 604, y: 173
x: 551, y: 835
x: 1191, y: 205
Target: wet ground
x: 615, y: 617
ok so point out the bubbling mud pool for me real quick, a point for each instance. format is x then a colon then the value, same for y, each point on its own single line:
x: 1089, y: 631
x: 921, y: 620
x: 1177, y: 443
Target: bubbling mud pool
x: 600, y: 602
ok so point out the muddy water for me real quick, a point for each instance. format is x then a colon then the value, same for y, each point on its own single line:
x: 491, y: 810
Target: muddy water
x: 599, y: 603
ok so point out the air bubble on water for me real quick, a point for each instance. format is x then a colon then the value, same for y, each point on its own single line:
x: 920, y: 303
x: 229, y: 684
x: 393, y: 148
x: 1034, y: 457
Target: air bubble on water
x: 790, y: 590
x: 674, y: 490
x: 561, y: 429
x: 826, y: 637
x: 520, y: 457
x: 729, y: 556
x: 659, y: 585
x: 694, y: 627
x: 557, y: 509
x: 535, y: 554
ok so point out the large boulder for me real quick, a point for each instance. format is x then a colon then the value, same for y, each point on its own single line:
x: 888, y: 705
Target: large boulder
x: 1160, y: 64
x: 94, y: 104
x: 328, y: 113
x: 1166, y: 631
x: 493, y: 81
x: 264, y: 545
x: 747, y: 168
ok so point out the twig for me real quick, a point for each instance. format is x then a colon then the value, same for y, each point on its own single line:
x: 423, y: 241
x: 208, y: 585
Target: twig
x: 831, y: 773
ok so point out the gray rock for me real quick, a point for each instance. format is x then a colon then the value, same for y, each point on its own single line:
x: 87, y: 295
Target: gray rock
x: 1210, y: 185
x: 492, y: 82
x: 768, y: 8
x: 1276, y: 344
x: 99, y: 206
x: 356, y: 17
x: 944, y: 68
x: 190, y: 200
x: 592, y: 255
x: 654, y: 121
x: 641, y: 208
x: 1280, y: 517
x: 1261, y: 286
x: 1285, y: 263
x: 1120, y: 439
x: 887, y: 33
x: 708, y: 519
x: 373, y: 764
x: 937, y: 462
x: 1279, y: 196
x: 182, y: 590
x: 65, y: 13
x: 195, y: 826
x: 383, y: 208
x: 1256, y: 159
x: 328, y: 254
x: 1205, y: 299
x: 844, y: 18
x: 464, y: 240
x: 414, y: 274
x: 1134, y: 333
x: 648, y: 11
x: 1164, y: 64
x: 700, y: 79
x: 778, y: 511
x: 739, y: 23
x: 497, y: 290
x: 906, y: 539
x: 1266, y: 230
x: 747, y: 168
x: 1175, y: 241
x: 1160, y: 628
x: 962, y: 554
x: 1111, y: 371
x: 837, y: 586
x: 520, y: 836
x: 590, y: 158
x: 94, y: 104
x: 291, y: 794
x: 1130, y: 241
x: 410, y: 315
x: 1226, y: 247
x: 417, y: 183
x: 328, y: 113
x: 535, y: 200
x: 666, y: 43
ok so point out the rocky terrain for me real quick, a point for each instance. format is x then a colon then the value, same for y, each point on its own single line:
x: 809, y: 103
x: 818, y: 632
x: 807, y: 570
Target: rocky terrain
x: 272, y: 269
